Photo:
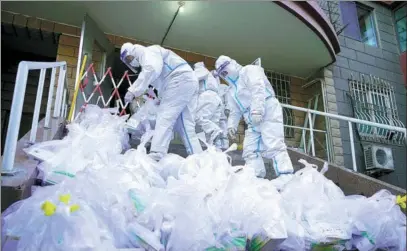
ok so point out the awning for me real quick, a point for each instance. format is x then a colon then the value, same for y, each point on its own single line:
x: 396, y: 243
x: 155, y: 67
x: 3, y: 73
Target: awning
x: 294, y: 38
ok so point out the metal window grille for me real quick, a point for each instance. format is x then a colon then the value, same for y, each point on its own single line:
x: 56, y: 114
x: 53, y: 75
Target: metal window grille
x: 374, y: 100
x: 281, y: 85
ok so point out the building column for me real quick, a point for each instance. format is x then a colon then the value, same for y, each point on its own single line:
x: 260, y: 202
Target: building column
x: 332, y: 127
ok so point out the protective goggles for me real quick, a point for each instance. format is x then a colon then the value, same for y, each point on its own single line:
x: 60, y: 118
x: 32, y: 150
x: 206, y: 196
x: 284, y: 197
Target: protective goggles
x: 221, y: 71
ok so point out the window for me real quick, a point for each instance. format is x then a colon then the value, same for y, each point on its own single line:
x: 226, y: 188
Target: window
x: 281, y: 85
x: 374, y: 100
x: 400, y: 17
x: 359, y: 22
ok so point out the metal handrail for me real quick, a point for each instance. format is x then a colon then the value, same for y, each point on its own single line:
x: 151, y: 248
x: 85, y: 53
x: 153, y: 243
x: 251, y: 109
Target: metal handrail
x: 343, y: 118
x: 60, y: 105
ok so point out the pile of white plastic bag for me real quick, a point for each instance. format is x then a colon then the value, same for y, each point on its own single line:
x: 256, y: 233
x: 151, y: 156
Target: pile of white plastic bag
x: 97, y: 133
x: 317, y: 212
x: 113, y: 200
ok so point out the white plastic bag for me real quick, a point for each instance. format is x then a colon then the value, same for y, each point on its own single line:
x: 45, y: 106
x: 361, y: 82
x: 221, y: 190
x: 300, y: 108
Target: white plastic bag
x: 46, y: 150
x: 95, y: 133
x: 307, y: 201
x: 170, y: 165
x: 47, y: 225
x: 142, y: 237
x: 380, y: 223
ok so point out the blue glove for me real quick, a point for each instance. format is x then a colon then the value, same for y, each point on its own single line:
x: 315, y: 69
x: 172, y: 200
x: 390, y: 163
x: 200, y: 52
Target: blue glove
x: 129, y: 97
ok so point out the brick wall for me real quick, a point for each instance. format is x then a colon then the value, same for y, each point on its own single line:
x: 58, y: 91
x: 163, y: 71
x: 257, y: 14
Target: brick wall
x: 383, y: 61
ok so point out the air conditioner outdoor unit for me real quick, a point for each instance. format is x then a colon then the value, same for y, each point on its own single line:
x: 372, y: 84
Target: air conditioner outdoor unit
x: 378, y: 157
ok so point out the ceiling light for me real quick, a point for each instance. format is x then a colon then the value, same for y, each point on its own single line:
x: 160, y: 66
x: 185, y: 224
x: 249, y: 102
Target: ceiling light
x: 181, y: 5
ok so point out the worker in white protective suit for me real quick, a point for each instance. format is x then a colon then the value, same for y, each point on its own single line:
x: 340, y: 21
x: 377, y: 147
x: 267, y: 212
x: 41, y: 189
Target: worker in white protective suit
x: 223, y: 89
x: 177, y: 86
x: 209, y: 105
x: 252, y: 96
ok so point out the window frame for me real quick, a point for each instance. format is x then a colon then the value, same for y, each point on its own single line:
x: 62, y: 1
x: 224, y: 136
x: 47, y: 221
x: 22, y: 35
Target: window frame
x: 372, y: 14
x: 372, y: 17
x: 403, y: 5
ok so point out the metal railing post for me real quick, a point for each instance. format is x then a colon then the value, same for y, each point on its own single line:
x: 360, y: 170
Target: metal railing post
x: 37, y: 107
x: 303, y: 140
x: 15, y: 117
x: 63, y: 102
x: 352, y: 146
x: 311, y: 131
x: 328, y: 151
x: 49, y: 101
x: 60, y: 87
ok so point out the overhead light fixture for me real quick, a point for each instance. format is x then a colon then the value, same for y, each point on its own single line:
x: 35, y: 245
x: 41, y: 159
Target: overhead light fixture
x: 181, y: 5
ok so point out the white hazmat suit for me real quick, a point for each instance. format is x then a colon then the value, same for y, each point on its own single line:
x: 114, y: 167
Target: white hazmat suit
x: 177, y: 85
x: 223, y: 89
x: 252, y: 96
x: 208, y: 111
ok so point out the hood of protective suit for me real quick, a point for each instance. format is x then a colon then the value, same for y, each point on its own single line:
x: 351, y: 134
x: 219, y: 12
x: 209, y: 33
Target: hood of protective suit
x: 228, y: 69
x: 206, y: 79
x: 135, y: 50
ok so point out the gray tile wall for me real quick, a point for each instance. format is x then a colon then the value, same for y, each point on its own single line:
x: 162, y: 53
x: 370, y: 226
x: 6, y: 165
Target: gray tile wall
x: 382, y: 61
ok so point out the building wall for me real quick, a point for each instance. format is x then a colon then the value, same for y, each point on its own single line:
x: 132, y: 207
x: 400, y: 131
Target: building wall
x: 68, y: 49
x: 383, y: 61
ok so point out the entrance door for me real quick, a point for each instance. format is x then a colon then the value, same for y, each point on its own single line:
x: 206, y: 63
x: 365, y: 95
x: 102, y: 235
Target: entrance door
x: 100, y: 51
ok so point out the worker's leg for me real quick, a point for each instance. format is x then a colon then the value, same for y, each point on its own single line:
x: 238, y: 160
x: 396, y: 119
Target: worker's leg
x: 179, y: 94
x: 272, y: 133
x: 252, y: 145
x: 186, y: 127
